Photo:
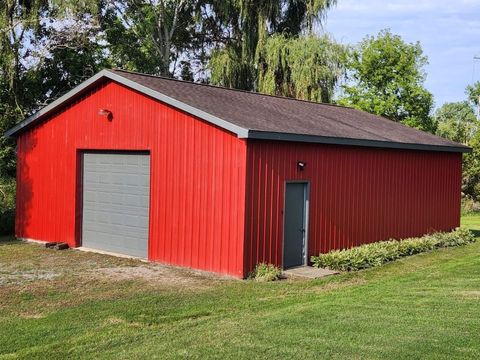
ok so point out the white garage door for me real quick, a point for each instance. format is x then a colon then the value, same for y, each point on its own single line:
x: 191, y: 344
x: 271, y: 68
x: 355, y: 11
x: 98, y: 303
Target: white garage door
x: 116, y: 193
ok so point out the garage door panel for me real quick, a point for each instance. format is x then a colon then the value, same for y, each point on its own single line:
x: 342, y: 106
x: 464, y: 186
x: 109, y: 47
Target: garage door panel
x: 109, y: 209
x: 106, y: 233
x: 117, y: 190
x: 116, y: 203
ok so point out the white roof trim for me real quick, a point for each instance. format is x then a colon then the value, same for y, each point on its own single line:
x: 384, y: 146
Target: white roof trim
x: 239, y: 131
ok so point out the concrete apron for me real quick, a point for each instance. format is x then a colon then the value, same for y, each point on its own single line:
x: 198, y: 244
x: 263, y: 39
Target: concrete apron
x: 309, y: 272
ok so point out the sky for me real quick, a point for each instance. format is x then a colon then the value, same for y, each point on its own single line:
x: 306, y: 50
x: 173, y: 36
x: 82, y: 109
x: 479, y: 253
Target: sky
x: 448, y: 30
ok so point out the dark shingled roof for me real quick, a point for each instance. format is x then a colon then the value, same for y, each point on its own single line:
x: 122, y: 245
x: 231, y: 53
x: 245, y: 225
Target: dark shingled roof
x: 279, y: 118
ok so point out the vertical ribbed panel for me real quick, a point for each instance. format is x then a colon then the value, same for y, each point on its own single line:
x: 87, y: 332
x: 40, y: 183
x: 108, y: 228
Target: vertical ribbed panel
x: 357, y: 195
x: 197, y: 177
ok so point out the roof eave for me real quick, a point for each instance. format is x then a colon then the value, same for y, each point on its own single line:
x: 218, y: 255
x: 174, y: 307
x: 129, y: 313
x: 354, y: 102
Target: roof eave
x: 265, y: 135
x: 54, y: 104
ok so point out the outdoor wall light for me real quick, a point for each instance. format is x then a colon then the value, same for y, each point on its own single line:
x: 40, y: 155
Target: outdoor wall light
x: 107, y: 113
x: 301, y: 165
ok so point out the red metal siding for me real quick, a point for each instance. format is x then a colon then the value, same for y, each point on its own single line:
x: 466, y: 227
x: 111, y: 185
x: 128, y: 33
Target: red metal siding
x: 357, y: 195
x: 197, y: 177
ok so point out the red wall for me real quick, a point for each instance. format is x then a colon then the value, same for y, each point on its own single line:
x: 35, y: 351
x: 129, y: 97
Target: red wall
x: 357, y: 195
x: 197, y: 177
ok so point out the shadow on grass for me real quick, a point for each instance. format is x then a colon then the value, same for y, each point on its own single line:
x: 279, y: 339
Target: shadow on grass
x: 475, y: 232
x: 8, y: 240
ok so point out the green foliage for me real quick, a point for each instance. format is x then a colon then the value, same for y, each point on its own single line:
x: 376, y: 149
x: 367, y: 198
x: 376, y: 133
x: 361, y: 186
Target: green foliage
x: 470, y: 206
x: 149, y: 36
x: 266, y: 272
x: 305, y: 68
x: 46, y: 48
x: 457, y: 122
x: 378, y: 253
x: 471, y: 161
x: 228, y: 69
x: 18, y: 21
x: 8, y: 118
x: 473, y: 93
x: 471, y: 169
x: 7, y: 206
x: 237, y: 61
x: 386, y: 78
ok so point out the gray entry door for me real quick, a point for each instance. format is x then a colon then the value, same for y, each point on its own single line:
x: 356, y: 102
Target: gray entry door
x: 294, y: 239
x: 116, y: 193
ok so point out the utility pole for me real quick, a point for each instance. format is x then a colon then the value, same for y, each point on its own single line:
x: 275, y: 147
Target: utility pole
x: 477, y: 57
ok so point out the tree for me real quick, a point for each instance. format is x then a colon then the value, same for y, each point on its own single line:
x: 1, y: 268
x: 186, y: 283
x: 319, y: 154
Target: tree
x: 471, y: 161
x: 386, y: 77
x: 305, y: 68
x: 35, y: 40
x: 244, y: 29
x: 19, y: 22
x: 457, y: 122
x: 471, y: 169
x: 473, y: 93
x: 149, y: 35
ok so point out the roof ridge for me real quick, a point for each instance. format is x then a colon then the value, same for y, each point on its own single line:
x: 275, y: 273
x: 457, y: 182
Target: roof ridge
x: 231, y: 89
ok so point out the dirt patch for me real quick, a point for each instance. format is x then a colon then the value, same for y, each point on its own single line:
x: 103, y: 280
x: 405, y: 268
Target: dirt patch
x: 157, y: 275
x: 25, y: 263
x: 21, y: 277
x: 472, y: 294
x: 35, y: 281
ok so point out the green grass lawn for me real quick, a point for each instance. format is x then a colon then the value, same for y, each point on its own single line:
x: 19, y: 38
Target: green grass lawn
x: 472, y: 222
x: 78, y: 305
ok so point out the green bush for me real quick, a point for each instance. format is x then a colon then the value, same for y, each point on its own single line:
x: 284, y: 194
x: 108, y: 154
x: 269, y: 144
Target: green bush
x: 378, y: 253
x: 470, y: 206
x: 266, y: 272
x: 7, y: 207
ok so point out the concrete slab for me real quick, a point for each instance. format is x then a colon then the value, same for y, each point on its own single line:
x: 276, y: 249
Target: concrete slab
x: 309, y: 272
x: 103, y: 252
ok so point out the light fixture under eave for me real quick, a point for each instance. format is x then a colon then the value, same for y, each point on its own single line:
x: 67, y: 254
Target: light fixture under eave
x: 107, y: 113
x: 301, y: 165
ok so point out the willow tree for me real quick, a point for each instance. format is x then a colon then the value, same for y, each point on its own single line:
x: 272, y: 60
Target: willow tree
x: 248, y: 26
x: 305, y: 68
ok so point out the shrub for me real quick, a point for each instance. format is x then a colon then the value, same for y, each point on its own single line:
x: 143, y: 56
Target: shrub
x: 266, y: 272
x: 470, y: 206
x: 7, y: 207
x: 378, y: 253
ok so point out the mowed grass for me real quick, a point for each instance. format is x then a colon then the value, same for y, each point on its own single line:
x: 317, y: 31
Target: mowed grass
x: 472, y: 222
x: 76, y: 305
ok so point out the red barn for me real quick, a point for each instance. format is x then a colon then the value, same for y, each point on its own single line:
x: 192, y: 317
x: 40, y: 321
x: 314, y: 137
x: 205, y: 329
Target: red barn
x: 219, y: 179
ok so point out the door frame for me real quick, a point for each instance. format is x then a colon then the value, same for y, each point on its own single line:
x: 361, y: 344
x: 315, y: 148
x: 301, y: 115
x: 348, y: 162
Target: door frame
x: 79, y: 187
x: 306, y: 201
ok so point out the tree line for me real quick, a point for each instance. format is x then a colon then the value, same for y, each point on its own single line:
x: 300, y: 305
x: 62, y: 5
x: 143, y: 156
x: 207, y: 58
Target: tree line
x: 272, y: 46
